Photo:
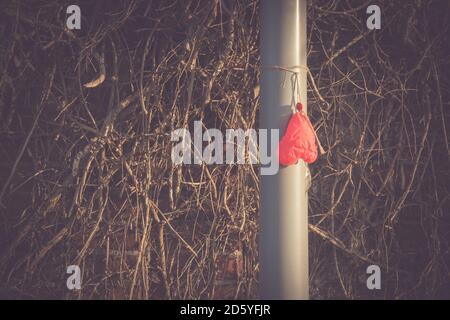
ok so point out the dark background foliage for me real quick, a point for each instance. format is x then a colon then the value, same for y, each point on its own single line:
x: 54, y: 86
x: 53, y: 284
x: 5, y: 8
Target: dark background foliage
x: 86, y: 176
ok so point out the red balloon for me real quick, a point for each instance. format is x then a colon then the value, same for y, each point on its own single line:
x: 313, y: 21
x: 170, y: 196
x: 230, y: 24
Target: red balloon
x: 299, y: 140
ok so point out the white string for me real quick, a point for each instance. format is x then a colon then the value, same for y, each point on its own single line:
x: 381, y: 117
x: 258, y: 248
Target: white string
x: 295, y: 82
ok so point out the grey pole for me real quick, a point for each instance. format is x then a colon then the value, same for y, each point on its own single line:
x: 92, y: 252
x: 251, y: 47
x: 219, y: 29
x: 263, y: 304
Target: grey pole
x: 284, y: 201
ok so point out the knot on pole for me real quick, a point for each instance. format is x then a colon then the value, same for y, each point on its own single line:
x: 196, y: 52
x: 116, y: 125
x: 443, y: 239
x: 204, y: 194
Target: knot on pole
x: 292, y: 69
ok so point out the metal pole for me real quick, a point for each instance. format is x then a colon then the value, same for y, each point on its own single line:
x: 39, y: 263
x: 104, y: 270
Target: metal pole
x: 284, y: 201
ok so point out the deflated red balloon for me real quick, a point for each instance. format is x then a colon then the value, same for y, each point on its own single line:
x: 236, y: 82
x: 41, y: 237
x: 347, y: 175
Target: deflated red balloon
x: 299, y: 140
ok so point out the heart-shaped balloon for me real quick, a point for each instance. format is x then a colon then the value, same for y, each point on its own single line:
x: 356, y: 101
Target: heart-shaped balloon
x: 299, y: 140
